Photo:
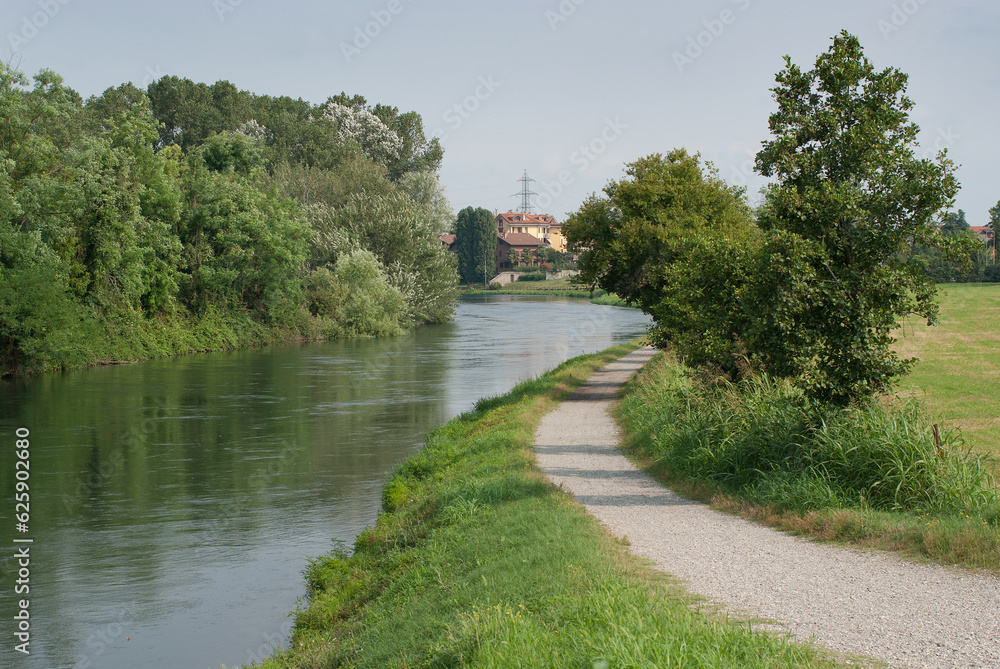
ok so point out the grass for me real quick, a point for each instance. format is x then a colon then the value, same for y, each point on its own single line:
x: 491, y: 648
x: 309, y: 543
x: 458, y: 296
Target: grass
x: 478, y: 561
x: 867, y: 476
x: 560, y: 287
x: 958, y: 377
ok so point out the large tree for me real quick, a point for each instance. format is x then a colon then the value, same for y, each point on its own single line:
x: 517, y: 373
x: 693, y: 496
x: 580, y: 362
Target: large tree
x: 628, y: 237
x: 671, y: 238
x: 476, y: 234
x: 849, y: 196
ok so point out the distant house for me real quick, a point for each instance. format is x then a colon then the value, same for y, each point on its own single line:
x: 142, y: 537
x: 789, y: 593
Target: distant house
x: 988, y: 237
x: 540, y: 226
x: 521, y: 242
x: 449, y: 242
x: 985, y: 233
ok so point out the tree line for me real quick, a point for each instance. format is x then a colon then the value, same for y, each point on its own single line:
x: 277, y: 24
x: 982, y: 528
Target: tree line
x: 979, y: 265
x: 191, y: 217
x: 811, y: 284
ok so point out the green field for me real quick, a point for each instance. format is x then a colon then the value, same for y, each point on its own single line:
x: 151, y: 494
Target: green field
x: 554, y: 286
x: 958, y: 377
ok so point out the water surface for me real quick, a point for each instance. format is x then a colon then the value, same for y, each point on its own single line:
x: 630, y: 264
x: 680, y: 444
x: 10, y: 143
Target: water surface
x: 175, y: 503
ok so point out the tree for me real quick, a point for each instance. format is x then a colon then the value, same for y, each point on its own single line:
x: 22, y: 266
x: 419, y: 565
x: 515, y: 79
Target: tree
x: 405, y: 242
x: 427, y: 193
x: 850, y: 195
x: 955, y: 225
x: 554, y: 258
x: 661, y: 239
x: 627, y: 238
x: 994, y: 225
x: 512, y: 256
x: 244, y: 248
x: 191, y: 112
x: 476, y: 234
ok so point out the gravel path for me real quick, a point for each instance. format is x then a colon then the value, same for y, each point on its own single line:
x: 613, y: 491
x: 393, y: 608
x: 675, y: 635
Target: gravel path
x: 874, y: 604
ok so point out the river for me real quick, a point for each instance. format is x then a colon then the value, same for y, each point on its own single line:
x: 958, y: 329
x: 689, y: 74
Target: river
x: 175, y: 503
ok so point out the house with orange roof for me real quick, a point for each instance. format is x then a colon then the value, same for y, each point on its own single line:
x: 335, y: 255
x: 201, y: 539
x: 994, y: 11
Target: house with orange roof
x: 988, y: 237
x: 541, y: 226
x: 985, y: 233
x: 449, y: 242
x: 521, y: 242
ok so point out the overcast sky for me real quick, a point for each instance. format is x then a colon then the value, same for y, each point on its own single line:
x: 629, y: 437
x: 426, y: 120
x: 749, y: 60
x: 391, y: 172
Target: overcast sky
x: 568, y: 90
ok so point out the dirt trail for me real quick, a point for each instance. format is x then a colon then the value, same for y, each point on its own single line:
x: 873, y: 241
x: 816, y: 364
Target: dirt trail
x: 850, y: 601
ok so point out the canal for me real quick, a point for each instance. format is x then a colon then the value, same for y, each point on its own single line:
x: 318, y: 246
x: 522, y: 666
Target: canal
x: 175, y: 503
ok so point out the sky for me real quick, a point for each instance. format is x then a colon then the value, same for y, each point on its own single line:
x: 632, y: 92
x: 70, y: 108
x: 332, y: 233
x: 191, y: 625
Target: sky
x: 569, y: 90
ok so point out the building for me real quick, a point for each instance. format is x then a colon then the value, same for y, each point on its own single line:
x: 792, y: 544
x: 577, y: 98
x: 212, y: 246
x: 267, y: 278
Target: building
x: 985, y: 233
x: 521, y: 242
x: 988, y: 237
x: 449, y: 242
x: 540, y: 226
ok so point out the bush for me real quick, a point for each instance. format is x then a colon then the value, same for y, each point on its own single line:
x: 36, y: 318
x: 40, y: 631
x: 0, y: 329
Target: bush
x: 532, y: 276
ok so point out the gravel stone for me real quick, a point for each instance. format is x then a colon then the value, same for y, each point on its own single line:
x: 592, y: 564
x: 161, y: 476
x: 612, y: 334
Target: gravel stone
x: 850, y: 601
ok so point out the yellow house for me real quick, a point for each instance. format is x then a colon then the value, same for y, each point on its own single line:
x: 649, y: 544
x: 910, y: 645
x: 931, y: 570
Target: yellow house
x: 540, y: 226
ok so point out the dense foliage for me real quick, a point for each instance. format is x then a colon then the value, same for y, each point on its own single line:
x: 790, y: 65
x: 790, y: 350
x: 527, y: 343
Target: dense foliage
x: 673, y: 239
x: 852, y: 195
x: 968, y: 260
x: 135, y: 218
x: 813, y: 291
x: 476, y: 234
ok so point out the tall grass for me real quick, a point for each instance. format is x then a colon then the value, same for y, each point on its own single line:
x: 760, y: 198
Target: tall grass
x: 762, y: 443
x: 760, y: 437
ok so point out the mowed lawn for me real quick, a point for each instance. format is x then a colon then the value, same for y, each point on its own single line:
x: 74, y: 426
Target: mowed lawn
x: 958, y: 377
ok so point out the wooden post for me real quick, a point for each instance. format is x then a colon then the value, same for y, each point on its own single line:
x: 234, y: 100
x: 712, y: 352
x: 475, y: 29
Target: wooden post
x: 937, y: 441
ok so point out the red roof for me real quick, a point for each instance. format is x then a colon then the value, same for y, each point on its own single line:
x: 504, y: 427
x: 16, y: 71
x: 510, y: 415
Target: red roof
x: 512, y: 218
x: 521, y: 239
x: 447, y: 239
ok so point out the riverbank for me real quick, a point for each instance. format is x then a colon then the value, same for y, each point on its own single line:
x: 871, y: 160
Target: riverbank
x: 131, y: 338
x: 478, y: 560
x: 552, y: 288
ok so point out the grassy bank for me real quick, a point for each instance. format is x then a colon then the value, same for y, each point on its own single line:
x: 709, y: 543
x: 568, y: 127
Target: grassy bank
x: 958, y: 376
x: 556, y: 287
x: 478, y: 561
x: 869, y: 476
x: 127, y: 338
